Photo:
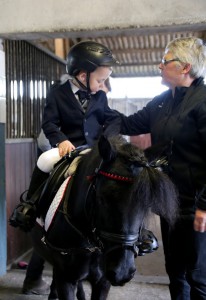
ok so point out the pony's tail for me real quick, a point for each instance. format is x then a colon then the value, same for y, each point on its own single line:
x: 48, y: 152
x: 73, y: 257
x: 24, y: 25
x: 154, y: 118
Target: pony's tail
x: 159, y: 194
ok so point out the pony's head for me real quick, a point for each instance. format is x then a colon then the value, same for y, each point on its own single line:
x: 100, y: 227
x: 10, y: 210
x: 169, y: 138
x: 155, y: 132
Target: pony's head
x: 128, y: 186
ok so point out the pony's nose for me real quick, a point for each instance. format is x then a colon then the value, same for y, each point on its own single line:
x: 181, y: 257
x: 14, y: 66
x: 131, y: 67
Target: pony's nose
x: 119, y: 279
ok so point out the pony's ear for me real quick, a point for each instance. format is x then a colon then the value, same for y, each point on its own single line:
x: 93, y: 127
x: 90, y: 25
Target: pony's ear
x: 158, y: 151
x: 105, y: 149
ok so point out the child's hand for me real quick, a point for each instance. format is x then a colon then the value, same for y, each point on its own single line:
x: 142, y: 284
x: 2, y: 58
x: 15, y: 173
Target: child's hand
x: 65, y: 147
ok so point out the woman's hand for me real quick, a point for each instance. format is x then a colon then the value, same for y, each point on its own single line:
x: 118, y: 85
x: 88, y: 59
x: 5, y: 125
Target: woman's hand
x: 65, y: 147
x: 200, y: 220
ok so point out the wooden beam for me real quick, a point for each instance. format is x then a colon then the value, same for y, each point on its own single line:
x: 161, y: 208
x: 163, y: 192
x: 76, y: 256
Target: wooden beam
x: 59, y: 48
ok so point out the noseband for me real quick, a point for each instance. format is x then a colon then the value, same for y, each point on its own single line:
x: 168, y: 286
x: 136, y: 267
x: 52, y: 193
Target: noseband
x: 126, y: 241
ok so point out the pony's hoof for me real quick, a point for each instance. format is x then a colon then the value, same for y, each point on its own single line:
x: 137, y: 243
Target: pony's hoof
x: 35, y: 287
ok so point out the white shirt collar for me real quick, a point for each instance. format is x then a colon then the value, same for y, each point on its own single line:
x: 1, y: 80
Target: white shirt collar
x: 73, y: 86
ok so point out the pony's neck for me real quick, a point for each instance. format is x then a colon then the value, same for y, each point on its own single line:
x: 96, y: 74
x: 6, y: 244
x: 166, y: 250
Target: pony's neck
x: 82, y: 197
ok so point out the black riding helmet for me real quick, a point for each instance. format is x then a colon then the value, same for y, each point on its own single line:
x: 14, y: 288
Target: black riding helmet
x: 88, y: 56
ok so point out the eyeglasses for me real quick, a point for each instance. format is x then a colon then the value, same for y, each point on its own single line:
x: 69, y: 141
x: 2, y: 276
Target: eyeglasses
x: 166, y: 62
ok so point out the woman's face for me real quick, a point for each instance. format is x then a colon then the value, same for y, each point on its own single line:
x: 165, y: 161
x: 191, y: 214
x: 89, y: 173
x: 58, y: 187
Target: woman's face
x: 171, y: 70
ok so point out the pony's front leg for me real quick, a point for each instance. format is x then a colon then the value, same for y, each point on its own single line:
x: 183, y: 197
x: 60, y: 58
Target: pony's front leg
x: 80, y: 291
x: 66, y: 290
x: 53, y: 291
x: 100, y: 289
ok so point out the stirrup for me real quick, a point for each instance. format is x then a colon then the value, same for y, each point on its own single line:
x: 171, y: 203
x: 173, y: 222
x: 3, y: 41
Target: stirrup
x: 147, y: 242
x: 24, y: 215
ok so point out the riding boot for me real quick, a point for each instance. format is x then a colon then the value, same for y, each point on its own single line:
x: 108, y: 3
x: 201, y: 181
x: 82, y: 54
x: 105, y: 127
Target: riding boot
x: 33, y: 282
x: 24, y: 215
x: 37, y: 180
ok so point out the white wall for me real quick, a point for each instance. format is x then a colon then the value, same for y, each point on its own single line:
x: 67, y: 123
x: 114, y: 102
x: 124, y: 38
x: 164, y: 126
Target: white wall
x: 51, y: 17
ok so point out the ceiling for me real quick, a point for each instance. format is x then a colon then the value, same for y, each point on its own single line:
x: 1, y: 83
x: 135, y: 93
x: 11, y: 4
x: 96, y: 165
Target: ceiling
x: 139, y: 54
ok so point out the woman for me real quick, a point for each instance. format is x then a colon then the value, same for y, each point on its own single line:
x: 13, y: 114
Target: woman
x: 178, y: 116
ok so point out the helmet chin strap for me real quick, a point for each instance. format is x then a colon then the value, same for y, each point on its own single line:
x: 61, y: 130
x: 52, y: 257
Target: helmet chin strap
x: 84, y: 87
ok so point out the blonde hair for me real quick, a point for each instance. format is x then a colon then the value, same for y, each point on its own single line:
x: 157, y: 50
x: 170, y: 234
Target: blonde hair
x: 190, y: 50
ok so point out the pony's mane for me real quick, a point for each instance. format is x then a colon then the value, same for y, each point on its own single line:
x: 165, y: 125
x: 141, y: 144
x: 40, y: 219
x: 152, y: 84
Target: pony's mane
x: 152, y: 186
x: 152, y: 189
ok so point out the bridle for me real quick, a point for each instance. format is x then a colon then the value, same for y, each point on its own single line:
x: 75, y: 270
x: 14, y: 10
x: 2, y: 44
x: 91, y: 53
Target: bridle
x: 126, y: 241
x: 115, y: 176
x: 117, y: 241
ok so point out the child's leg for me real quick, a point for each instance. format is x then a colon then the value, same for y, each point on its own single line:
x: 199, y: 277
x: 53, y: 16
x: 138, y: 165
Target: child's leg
x: 48, y: 159
x: 24, y: 214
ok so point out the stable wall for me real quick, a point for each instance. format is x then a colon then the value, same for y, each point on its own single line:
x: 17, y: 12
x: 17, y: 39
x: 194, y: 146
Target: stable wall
x: 20, y: 159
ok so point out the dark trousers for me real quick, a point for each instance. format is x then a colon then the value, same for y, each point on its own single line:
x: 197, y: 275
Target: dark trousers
x: 36, y: 263
x: 185, y: 260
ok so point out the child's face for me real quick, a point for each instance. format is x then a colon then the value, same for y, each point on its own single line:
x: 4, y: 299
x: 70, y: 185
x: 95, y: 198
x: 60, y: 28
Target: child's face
x: 97, y: 78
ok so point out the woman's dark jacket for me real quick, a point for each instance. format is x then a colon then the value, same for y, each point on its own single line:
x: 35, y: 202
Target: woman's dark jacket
x: 182, y: 121
x: 64, y: 118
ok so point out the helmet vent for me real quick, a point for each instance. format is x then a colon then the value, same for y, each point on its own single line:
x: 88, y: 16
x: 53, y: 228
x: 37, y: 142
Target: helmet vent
x: 99, y: 50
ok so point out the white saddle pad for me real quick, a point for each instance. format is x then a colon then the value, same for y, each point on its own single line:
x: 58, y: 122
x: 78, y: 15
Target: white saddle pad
x: 55, y: 203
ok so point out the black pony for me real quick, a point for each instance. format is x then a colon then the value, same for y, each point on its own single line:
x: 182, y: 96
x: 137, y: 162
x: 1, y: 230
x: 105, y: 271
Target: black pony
x: 94, y: 232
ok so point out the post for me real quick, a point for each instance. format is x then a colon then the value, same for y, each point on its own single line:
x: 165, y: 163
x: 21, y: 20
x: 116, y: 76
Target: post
x: 3, y: 245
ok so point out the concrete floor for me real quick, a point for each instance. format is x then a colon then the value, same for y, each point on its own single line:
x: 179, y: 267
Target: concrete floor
x: 150, y: 281
x: 142, y: 288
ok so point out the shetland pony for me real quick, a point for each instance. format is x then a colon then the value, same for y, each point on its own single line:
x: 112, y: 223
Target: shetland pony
x: 94, y: 231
